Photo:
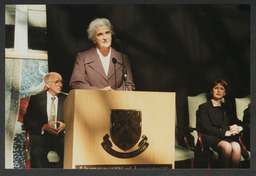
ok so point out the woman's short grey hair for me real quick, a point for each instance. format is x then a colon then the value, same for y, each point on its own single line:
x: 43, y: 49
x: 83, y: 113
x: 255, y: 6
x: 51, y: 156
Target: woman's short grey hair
x: 98, y: 22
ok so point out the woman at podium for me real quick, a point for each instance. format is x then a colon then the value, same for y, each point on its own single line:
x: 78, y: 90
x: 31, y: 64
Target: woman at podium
x: 101, y: 67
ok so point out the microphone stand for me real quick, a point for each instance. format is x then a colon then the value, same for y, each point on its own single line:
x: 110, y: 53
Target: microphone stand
x: 124, y: 74
x: 124, y: 67
x: 114, y: 62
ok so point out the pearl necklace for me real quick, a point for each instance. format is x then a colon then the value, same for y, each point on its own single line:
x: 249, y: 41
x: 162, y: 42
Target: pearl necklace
x: 216, y: 103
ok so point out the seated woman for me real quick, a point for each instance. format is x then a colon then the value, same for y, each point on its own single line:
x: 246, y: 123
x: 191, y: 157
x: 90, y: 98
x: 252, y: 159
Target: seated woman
x: 220, y: 127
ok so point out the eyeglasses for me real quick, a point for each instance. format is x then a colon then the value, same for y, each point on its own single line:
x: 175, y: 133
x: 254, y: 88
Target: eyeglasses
x: 57, y: 82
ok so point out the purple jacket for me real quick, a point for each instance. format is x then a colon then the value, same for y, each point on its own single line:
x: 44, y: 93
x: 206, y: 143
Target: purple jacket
x: 88, y: 72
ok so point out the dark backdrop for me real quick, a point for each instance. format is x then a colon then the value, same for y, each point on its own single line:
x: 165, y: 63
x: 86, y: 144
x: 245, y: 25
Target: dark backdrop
x: 173, y: 48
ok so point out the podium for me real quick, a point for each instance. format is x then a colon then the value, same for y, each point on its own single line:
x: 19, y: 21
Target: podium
x: 88, y: 115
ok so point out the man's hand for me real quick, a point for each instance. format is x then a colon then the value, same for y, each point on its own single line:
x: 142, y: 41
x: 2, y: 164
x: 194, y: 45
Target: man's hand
x: 49, y: 127
x: 61, y: 126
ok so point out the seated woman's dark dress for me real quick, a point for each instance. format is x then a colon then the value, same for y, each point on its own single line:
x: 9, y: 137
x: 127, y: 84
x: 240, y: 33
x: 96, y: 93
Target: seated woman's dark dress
x: 214, y: 122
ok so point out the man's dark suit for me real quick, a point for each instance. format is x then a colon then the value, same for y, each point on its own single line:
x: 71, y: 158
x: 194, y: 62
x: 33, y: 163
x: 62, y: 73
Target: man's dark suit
x: 88, y: 72
x: 247, y: 127
x: 34, y: 119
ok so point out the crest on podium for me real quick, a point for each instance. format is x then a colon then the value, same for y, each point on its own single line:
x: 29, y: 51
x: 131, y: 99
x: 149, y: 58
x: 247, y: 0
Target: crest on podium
x: 125, y: 132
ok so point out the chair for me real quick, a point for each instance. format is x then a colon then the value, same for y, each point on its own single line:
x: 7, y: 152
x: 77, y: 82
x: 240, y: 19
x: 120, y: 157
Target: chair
x: 241, y: 105
x: 52, y: 155
x: 193, y: 103
x: 182, y: 153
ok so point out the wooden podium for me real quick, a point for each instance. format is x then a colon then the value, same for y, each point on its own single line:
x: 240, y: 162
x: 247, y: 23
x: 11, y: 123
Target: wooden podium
x: 87, y: 117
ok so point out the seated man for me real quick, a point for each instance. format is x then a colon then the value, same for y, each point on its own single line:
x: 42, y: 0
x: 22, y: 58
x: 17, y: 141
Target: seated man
x: 44, y: 121
x: 247, y: 129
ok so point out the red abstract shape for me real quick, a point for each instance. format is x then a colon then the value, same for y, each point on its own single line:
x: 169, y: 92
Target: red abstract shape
x: 23, y: 108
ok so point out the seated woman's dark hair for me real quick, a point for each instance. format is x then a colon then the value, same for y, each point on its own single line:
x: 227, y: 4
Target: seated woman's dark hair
x: 213, y: 84
x: 222, y: 82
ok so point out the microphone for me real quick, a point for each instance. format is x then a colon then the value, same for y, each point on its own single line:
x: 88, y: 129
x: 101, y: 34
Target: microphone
x: 114, y: 62
x: 124, y: 67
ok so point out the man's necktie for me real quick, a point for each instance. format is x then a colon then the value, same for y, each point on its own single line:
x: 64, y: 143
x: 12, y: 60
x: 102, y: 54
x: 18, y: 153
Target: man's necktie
x: 52, y: 111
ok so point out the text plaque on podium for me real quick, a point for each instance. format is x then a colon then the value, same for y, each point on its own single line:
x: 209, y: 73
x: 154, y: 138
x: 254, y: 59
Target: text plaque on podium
x: 98, y: 129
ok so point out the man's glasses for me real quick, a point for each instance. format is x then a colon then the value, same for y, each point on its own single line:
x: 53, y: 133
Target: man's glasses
x: 57, y: 82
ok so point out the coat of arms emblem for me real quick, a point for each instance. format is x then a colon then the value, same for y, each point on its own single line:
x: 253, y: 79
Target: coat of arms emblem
x: 125, y: 132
